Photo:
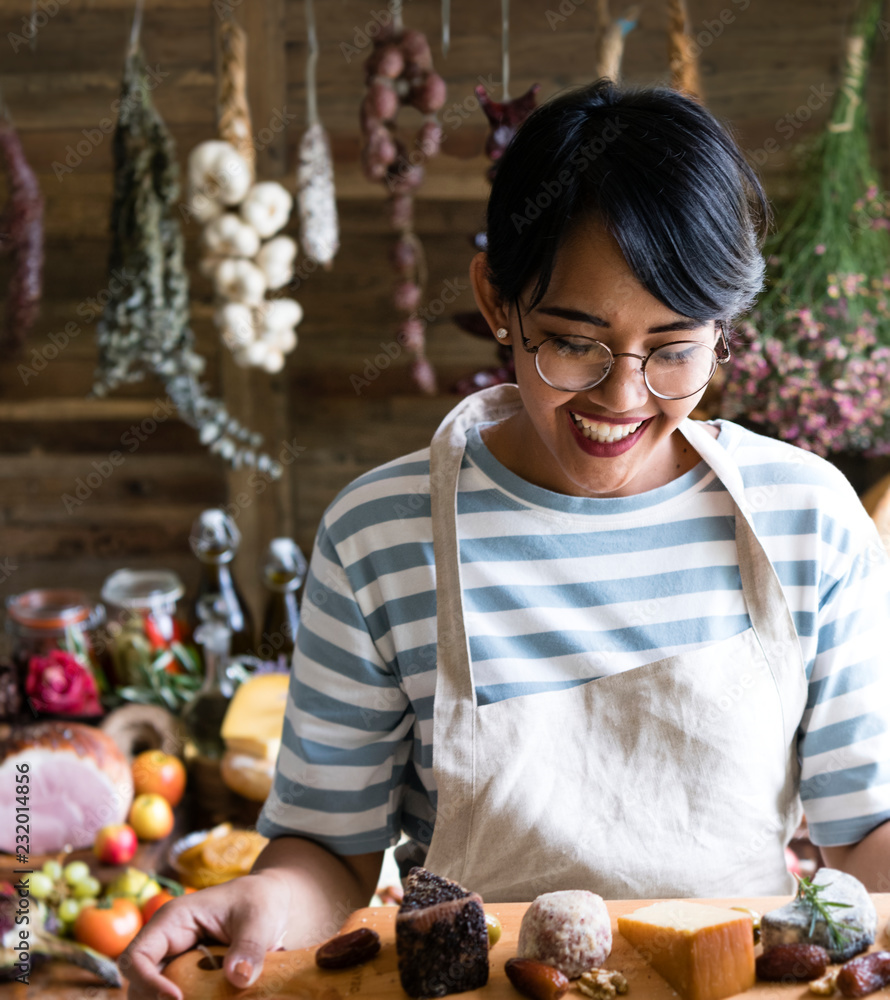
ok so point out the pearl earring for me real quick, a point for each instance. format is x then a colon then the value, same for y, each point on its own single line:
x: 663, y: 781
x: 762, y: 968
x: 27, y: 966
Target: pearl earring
x: 501, y: 332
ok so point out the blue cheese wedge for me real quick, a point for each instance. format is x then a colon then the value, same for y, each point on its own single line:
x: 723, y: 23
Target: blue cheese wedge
x: 791, y: 924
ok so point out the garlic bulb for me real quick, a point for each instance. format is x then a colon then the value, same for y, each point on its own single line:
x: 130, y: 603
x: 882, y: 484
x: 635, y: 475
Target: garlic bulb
x: 203, y: 208
x: 274, y: 361
x: 283, y: 339
x: 278, y: 314
x: 218, y: 171
x: 267, y: 207
x: 240, y: 281
x: 207, y: 265
x: 256, y: 352
x: 276, y: 260
x: 230, y: 236
x: 236, y: 322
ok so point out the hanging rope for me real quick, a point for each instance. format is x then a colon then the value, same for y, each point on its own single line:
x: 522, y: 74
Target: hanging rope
x: 683, y: 62
x: 505, y: 48
x: 446, y: 26
x: 136, y: 27
x: 311, y: 62
x: 233, y: 112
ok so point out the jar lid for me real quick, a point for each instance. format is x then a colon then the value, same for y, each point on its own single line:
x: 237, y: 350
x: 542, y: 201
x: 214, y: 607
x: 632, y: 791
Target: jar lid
x: 142, y: 588
x: 50, y: 608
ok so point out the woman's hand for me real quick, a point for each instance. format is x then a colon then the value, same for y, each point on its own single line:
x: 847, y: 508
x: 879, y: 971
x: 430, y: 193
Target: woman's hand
x: 297, y: 895
x: 248, y: 913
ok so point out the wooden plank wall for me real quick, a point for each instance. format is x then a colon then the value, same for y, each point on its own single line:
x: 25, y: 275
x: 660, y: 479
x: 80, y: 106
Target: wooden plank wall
x: 761, y: 61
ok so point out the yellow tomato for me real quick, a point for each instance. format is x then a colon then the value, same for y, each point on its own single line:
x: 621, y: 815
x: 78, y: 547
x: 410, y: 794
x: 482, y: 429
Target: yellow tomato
x: 159, y: 773
x: 151, y: 816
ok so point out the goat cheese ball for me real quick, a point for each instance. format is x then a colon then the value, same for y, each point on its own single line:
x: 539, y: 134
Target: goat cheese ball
x: 570, y: 929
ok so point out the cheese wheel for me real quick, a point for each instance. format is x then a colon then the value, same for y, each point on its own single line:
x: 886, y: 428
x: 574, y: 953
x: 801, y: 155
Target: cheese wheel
x: 704, y: 952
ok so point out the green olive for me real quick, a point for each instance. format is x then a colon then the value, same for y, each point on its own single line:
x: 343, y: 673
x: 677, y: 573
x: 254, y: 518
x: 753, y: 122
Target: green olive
x: 493, y: 925
x: 755, y: 920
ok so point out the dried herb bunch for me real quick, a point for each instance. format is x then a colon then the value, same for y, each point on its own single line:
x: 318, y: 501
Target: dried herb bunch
x: 814, y: 359
x: 144, y: 327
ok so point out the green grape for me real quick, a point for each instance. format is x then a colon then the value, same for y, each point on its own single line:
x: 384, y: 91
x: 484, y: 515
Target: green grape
x: 87, y: 887
x: 40, y: 885
x: 53, y: 869
x: 68, y: 910
x: 76, y: 871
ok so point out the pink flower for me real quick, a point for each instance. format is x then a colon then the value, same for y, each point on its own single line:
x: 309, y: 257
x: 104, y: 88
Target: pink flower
x: 60, y: 684
x: 820, y: 249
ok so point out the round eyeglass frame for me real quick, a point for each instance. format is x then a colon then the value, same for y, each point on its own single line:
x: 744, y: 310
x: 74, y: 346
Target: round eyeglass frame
x: 719, y: 359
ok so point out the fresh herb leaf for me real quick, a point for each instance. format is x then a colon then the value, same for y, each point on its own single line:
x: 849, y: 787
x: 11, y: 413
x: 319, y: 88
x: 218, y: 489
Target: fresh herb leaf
x: 811, y: 894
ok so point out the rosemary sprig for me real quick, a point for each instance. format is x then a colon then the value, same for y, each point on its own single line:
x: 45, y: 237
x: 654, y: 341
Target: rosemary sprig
x: 810, y: 894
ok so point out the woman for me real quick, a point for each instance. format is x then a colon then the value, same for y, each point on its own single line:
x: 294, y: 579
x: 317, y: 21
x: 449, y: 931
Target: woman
x: 581, y: 640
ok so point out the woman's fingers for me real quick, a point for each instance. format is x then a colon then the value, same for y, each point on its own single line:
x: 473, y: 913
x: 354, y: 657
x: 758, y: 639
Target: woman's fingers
x: 242, y: 913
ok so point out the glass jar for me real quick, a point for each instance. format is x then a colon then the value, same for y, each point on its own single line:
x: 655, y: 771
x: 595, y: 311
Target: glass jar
x: 52, y: 634
x: 143, y: 619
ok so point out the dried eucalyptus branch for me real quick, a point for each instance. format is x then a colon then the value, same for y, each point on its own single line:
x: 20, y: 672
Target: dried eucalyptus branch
x: 144, y: 327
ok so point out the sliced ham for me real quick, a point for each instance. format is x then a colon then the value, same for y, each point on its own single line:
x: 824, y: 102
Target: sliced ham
x: 79, y: 781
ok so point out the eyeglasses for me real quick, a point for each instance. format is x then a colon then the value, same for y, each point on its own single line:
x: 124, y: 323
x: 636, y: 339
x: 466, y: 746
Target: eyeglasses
x: 671, y: 371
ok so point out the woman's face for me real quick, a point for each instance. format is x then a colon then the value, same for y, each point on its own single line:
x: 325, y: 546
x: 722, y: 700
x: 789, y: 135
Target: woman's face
x: 594, y: 294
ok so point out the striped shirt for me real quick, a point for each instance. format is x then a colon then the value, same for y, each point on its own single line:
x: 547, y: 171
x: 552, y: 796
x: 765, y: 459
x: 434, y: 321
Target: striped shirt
x: 559, y: 590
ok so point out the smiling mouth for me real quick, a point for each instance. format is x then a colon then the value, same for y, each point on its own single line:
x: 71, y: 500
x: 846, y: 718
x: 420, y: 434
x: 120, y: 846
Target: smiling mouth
x: 601, y: 432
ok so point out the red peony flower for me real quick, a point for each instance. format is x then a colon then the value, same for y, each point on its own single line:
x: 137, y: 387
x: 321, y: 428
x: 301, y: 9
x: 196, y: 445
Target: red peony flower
x: 60, y: 684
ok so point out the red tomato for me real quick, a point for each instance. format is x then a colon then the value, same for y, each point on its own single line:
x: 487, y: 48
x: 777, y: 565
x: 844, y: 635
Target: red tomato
x: 154, y: 903
x: 108, y: 926
x: 159, y: 773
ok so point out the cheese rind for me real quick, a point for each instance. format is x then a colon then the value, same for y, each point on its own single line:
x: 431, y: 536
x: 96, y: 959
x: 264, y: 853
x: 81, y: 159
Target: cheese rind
x: 704, y: 952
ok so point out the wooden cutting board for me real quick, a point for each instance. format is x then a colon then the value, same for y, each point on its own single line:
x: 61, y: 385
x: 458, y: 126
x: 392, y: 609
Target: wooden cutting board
x: 289, y: 974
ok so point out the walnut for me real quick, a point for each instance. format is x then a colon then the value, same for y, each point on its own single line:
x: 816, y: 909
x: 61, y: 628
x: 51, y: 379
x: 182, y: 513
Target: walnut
x: 826, y: 985
x: 602, y: 984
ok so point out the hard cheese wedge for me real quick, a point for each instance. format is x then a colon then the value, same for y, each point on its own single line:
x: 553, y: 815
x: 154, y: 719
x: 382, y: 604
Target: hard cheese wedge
x: 704, y: 952
x: 255, y: 716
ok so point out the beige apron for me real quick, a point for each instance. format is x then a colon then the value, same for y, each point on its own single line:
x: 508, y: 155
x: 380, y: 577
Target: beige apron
x: 674, y: 779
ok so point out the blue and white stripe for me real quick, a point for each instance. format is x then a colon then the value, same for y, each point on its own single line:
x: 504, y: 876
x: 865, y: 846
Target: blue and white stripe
x: 559, y: 590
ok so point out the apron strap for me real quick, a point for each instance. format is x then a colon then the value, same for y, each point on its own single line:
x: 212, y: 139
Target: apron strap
x: 767, y: 608
x: 454, y: 705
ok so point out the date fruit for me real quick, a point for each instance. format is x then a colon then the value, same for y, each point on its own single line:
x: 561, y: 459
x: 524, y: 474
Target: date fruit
x: 535, y: 979
x: 348, y: 949
x: 800, y: 962
x: 864, y: 974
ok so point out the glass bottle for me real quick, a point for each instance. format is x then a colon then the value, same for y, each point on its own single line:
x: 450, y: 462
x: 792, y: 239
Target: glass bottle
x: 283, y: 573
x: 210, y: 801
x: 214, y: 540
x: 204, y: 713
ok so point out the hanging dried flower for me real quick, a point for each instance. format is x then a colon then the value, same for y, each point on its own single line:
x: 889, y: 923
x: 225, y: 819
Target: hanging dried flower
x: 144, y: 327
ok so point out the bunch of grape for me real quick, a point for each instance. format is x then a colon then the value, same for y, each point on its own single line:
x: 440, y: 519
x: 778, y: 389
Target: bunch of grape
x: 63, y: 890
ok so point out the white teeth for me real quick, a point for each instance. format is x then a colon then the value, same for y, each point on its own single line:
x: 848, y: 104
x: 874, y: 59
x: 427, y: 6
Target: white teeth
x: 602, y: 432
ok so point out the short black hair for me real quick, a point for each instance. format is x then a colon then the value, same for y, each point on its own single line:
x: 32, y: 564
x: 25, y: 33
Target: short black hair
x: 663, y: 175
